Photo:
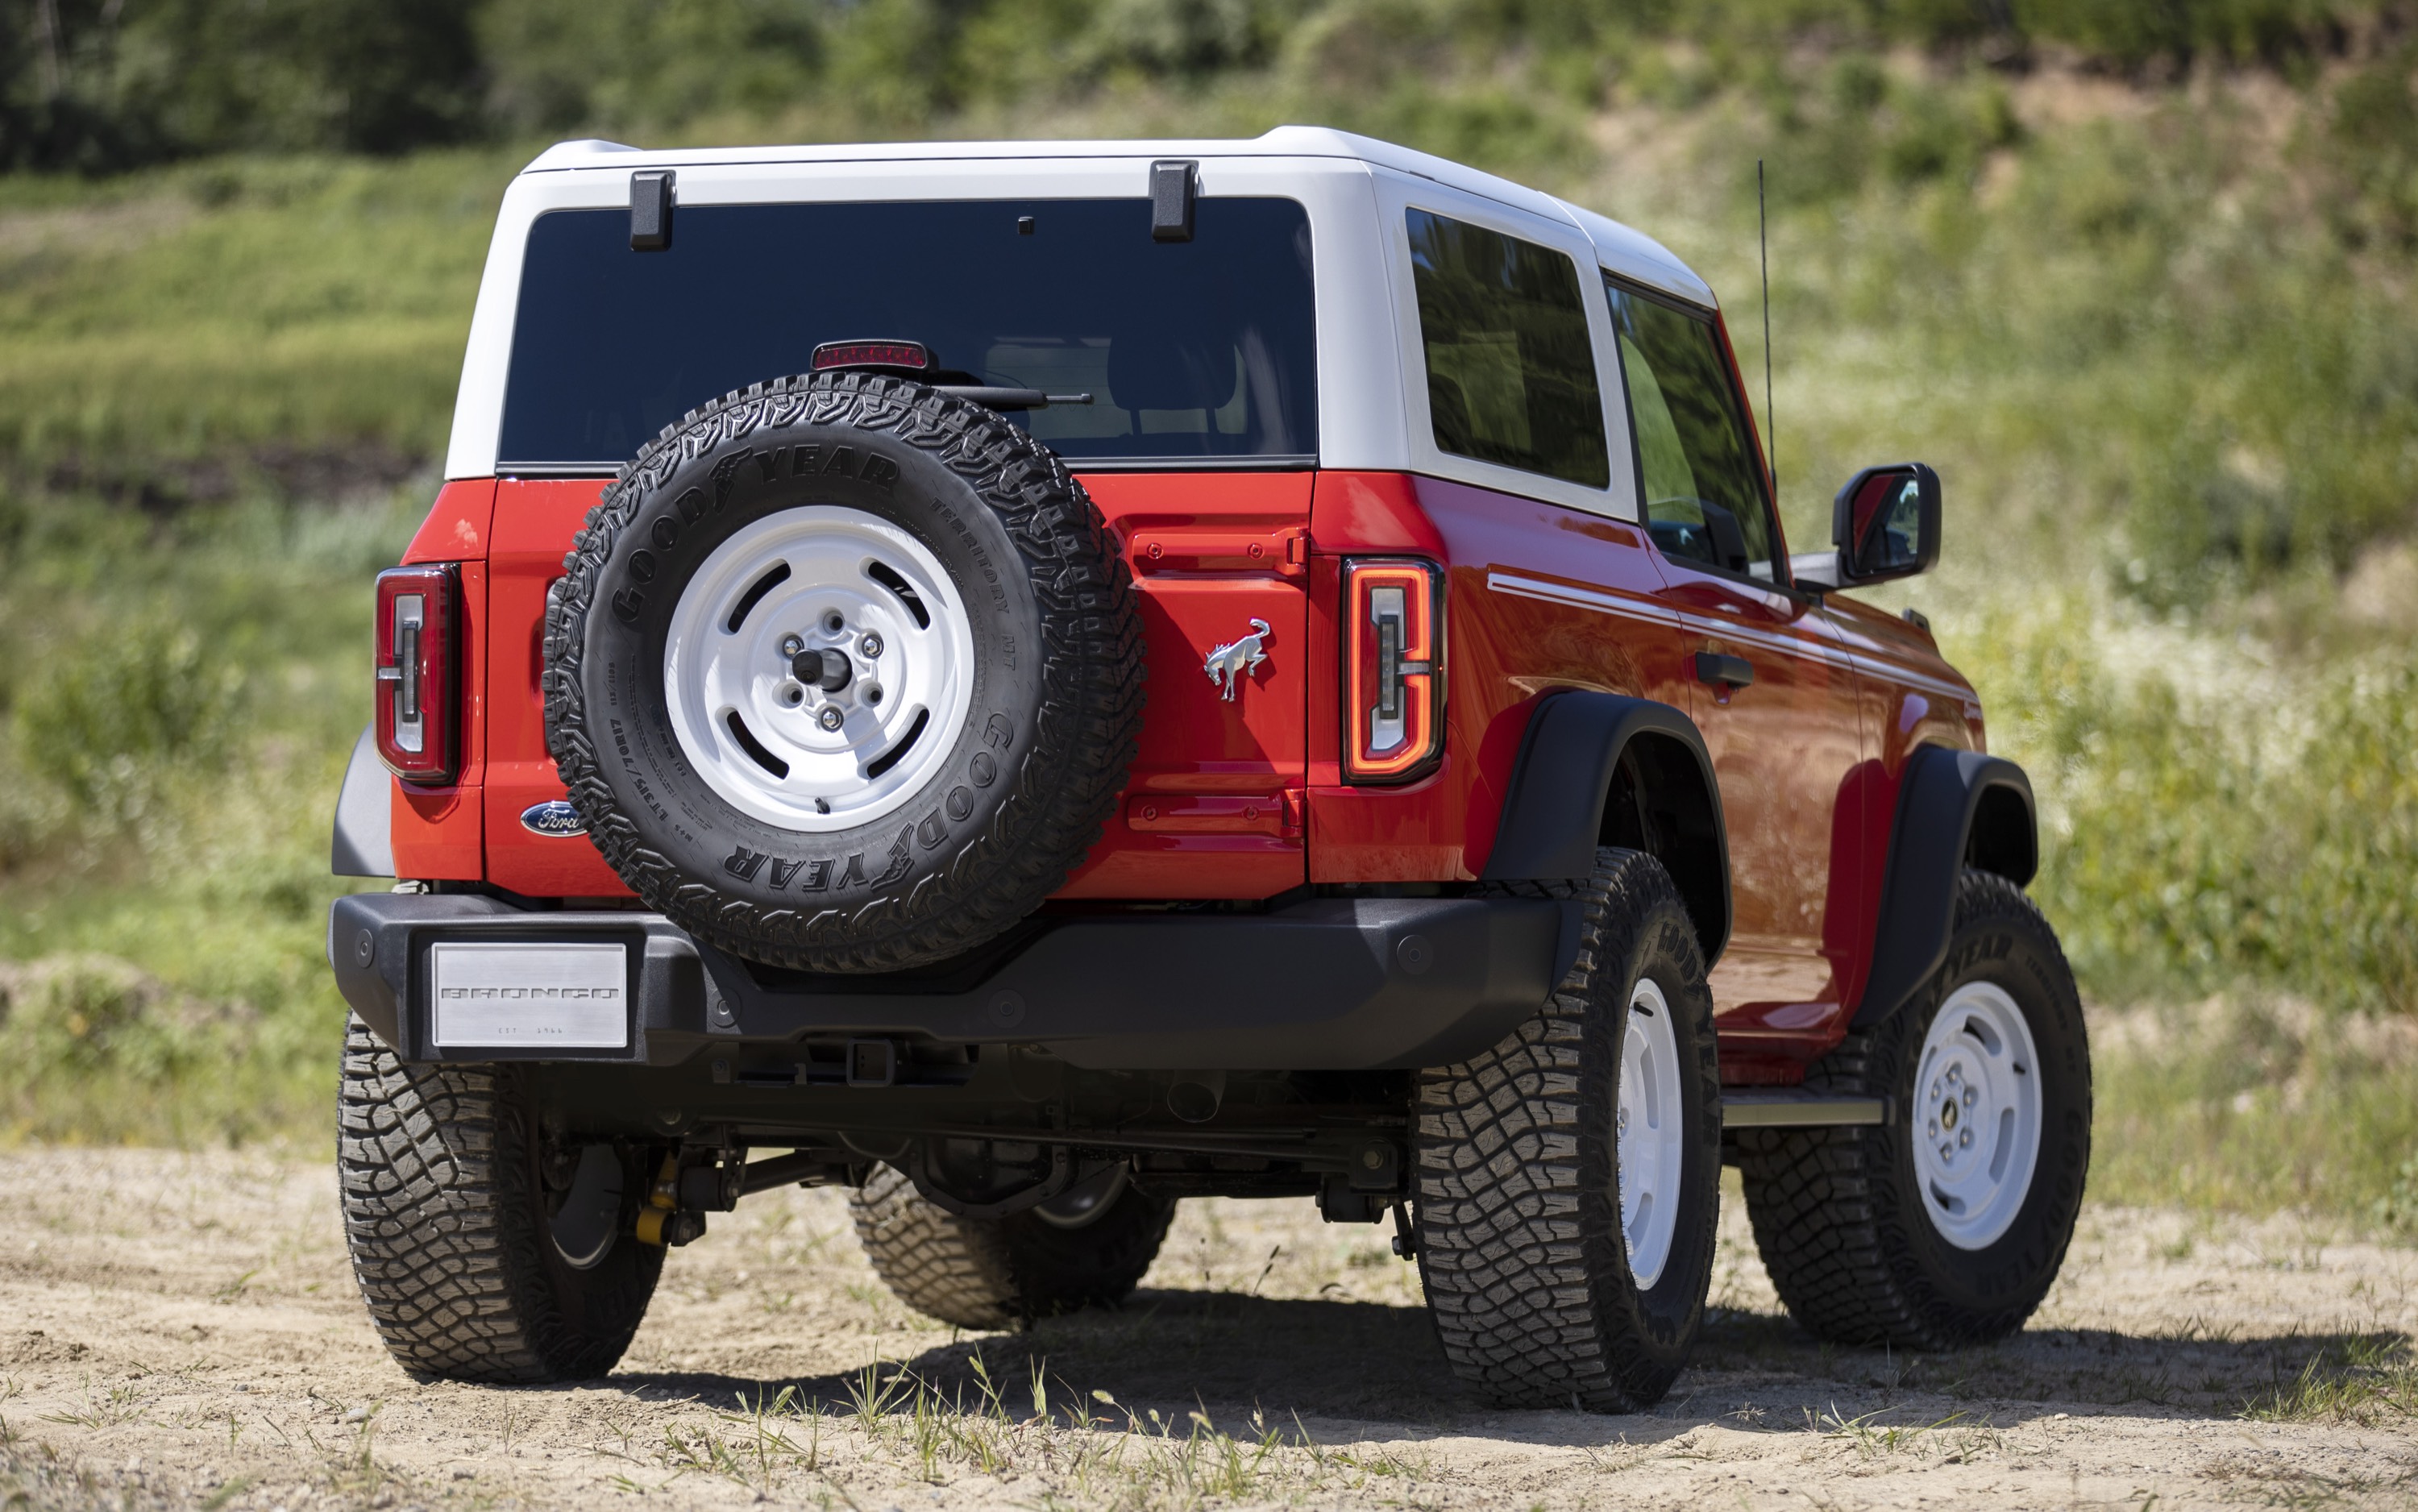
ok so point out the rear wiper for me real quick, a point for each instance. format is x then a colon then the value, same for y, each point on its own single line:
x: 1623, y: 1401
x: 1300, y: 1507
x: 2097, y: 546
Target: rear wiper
x: 992, y: 398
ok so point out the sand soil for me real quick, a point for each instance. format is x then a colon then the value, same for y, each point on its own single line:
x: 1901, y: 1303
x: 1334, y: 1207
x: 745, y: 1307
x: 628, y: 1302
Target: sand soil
x: 183, y: 1330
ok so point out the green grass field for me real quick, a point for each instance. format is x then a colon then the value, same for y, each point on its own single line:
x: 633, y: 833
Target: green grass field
x: 2160, y: 341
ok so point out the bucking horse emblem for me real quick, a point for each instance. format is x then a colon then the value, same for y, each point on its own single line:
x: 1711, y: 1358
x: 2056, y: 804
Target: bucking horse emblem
x: 1237, y: 659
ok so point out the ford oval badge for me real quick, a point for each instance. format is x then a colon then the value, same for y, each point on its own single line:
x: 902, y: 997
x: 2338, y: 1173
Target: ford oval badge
x: 557, y: 819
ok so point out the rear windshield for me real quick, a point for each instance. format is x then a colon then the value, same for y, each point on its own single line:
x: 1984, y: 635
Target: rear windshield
x: 1196, y: 351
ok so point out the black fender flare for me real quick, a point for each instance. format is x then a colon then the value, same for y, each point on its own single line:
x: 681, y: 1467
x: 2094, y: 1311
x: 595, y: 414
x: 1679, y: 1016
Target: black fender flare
x: 1559, y: 809
x: 1955, y: 809
x: 363, y: 842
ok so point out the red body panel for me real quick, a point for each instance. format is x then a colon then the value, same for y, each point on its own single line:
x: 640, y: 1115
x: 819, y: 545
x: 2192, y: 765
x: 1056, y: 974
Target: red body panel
x: 1211, y: 552
x: 534, y: 524
x: 437, y: 830
x: 1909, y: 696
x: 1784, y: 751
x: 1536, y: 597
x: 1245, y: 799
x: 1231, y: 548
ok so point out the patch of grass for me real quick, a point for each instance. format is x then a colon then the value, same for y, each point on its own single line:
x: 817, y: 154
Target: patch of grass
x: 2367, y: 1380
x: 1095, y: 1450
x: 2214, y: 812
x: 104, y: 1407
x: 2253, y: 1105
x: 240, y: 303
x: 177, y: 699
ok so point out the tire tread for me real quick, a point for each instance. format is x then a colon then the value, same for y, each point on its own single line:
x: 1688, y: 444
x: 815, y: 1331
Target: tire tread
x: 1509, y: 1249
x: 443, y: 1241
x: 1826, y: 1215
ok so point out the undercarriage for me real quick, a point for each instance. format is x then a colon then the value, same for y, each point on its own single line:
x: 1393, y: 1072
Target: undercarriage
x: 989, y: 1131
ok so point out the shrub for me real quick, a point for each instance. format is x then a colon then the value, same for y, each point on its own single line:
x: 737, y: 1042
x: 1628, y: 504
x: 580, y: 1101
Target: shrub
x: 80, y: 1015
x: 2247, y: 825
x: 107, y: 717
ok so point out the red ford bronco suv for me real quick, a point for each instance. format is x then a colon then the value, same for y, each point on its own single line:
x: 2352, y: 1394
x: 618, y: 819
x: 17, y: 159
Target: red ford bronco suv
x: 1032, y: 681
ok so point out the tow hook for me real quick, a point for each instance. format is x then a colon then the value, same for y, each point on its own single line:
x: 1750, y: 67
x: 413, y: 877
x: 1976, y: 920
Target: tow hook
x: 662, y: 1221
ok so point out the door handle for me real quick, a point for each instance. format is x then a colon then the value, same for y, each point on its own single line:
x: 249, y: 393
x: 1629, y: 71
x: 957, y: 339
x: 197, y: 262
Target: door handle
x: 1725, y: 671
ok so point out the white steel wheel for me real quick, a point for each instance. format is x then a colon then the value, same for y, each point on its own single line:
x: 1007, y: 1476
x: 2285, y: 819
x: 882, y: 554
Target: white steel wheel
x: 820, y: 665
x: 1977, y: 1116
x: 1650, y: 1144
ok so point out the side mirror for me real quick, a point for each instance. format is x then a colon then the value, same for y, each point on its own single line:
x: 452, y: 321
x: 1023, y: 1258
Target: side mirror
x: 1885, y: 524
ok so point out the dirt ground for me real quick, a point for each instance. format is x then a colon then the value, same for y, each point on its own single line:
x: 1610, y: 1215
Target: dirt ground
x: 182, y: 1330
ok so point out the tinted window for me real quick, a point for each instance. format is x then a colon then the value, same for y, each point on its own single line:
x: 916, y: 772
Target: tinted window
x: 1510, y: 371
x: 1198, y: 350
x: 1697, y: 470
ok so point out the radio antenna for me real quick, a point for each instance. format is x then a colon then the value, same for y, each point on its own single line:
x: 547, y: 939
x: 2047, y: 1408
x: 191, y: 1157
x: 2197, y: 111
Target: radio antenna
x: 1763, y: 244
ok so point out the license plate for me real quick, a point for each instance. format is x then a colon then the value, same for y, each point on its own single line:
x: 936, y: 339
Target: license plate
x: 573, y: 997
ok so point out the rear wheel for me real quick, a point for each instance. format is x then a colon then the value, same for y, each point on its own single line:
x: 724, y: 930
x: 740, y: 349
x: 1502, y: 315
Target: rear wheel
x: 1946, y: 1226
x: 485, y: 1251
x: 1087, y: 1246
x: 1569, y: 1179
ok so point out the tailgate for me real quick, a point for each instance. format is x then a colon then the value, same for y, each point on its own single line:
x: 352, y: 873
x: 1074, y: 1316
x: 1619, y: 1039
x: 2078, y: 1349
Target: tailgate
x: 1213, y: 808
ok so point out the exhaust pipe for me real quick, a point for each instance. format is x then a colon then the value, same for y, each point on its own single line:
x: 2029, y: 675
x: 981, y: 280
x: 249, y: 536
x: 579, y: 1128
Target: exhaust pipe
x: 1196, y: 1096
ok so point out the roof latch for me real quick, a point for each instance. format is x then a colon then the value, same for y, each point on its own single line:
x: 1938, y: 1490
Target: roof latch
x: 1172, y: 186
x: 651, y: 209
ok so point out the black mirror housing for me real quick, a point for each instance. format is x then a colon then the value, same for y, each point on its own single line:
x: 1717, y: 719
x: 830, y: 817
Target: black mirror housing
x: 1885, y: 524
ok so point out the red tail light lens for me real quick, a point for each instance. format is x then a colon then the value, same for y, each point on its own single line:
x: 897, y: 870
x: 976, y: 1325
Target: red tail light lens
x: 418, y: 625
x: 1393, y: 668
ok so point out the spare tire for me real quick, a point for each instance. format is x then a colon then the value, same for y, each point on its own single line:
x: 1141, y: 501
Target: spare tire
x: 845, y: 674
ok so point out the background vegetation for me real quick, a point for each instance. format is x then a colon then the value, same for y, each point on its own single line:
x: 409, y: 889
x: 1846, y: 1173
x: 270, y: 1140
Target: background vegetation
x: 2134, y: 274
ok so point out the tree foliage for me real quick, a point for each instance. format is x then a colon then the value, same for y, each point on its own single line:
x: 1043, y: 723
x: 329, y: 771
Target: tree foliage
x: 96, y: 85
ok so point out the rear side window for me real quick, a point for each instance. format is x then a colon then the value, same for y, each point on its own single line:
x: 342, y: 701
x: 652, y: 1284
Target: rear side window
x: 1696, y: 469
x: 1193, y: 352
x: 1510, y: 371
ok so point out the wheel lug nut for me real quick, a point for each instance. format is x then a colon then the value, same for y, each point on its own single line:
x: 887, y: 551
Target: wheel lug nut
x: 791, y: 645
x: 830, y: 718
x: 870, y: 647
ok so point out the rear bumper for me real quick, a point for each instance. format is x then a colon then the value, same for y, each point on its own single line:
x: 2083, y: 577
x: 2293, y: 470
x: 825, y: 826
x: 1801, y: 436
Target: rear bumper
x: 1333, y: 984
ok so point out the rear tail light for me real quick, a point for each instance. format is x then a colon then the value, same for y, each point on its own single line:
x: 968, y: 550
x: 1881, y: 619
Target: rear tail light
x: 1393, y: 668
x: 418, y: 626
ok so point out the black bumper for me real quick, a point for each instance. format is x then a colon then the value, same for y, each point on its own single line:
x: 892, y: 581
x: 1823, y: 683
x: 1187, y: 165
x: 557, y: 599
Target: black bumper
x: 1330, y: 984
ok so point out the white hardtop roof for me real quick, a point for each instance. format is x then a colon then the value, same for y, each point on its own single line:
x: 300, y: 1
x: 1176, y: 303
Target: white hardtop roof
x: 1620, y: 248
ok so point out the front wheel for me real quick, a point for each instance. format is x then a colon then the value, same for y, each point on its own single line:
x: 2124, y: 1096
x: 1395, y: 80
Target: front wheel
x: 1569, y: 1177
x: 1946, y: 1226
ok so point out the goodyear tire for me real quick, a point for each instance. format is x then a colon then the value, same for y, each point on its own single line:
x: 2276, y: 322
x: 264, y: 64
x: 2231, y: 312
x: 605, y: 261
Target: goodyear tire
x: 1568, y: 1180
x: 1087, y: 1248
x: 1946, y: 1227
x: 845, y: 674
x: 485, y: 1251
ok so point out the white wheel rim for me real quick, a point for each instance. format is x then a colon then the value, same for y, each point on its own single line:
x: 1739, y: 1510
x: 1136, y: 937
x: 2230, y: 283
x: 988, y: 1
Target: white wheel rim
x: 1649, y: 1138
x: 844, y: 573
x: 1976, y: 1115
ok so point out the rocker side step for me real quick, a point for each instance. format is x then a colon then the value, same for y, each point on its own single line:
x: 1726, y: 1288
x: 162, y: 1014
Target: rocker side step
x: 1790, y: 1108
